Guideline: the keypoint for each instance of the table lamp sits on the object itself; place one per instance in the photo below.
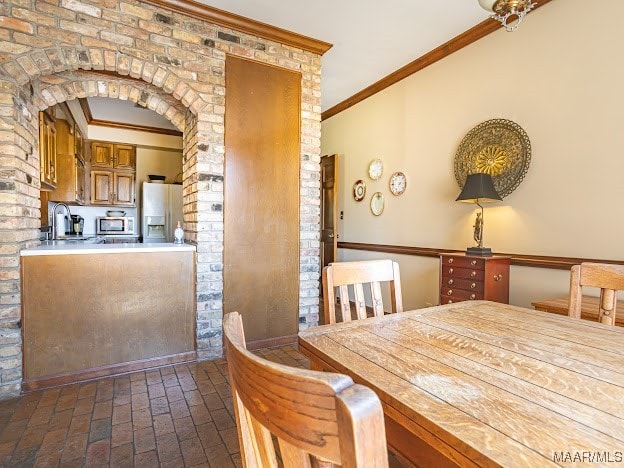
(479, 188)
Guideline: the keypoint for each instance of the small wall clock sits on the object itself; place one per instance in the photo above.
(375, 169)
(359, 190)
(398, 183)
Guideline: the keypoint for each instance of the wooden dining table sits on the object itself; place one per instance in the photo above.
(479, 383)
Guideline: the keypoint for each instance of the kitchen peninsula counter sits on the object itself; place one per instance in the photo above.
(79, 248)
(91, 310)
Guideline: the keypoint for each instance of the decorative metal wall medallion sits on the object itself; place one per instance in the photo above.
(498, 147)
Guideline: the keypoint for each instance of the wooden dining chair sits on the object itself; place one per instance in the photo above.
(609, 278)
(318, 418)
(343, 274)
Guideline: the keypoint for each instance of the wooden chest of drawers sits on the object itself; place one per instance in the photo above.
(465, 278)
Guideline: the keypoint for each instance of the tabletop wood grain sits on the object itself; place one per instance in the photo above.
(486, 384)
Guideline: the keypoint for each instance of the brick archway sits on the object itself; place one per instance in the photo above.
(175, 64)
(51, 90)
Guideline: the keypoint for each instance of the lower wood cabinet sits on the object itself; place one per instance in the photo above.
(465, 278)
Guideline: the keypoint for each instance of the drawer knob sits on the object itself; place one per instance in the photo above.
(450, 281)
(449, 292)
(450, 271)
(473, 285)
(473, 262)
(474, 273)
(498, 277)
(450, 260)
(472, 296)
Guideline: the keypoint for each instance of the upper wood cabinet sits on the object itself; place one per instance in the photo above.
(113, 174)
(70, 172)
(124, 157)
(112, 188)
(101, 154)
(47, 151)
(112, 155)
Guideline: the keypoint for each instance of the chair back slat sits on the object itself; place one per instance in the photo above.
(294, 456)
(345, 307)
(609, 278)
(360, 303)
(321, 414)
(342, 274)
(377, 299)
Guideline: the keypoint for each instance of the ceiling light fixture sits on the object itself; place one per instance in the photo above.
(507, 11)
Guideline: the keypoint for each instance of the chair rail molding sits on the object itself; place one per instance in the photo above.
(537, 261)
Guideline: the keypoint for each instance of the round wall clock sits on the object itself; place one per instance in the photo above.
(398, 183)
(377, 203)
(359, 190)
(375, 169)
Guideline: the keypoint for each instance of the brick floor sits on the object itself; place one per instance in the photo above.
(174, 416)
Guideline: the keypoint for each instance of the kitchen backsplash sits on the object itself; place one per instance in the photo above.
(89, 213)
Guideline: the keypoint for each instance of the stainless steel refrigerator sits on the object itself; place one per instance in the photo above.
(162, 209)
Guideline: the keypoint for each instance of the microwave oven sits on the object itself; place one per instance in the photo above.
(114, 225)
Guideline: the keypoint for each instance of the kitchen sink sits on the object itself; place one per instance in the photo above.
(75, 240)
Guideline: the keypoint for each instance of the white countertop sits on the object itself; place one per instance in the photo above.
(80, 248)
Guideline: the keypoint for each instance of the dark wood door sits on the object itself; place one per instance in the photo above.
(329, 200)
(261, 205)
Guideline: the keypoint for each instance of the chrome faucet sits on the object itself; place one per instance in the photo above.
(54, 233)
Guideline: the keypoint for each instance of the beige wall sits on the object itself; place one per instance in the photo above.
(559, 76)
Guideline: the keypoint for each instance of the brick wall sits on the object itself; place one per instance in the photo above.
(172, 64)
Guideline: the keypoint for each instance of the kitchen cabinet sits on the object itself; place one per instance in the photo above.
(113, 155)
(70, 187)
(113, 174)
(112, 188)
(47, 151)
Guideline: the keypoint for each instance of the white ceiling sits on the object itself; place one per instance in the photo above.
(117, 110)
(370, 40)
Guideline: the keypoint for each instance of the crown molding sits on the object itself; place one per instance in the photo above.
(86, 110)
(458, 42)
(240, 23)
(134, 127)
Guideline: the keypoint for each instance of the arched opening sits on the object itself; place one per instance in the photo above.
(187, 86)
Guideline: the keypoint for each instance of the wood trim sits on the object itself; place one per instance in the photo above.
(106, 371)
(537, 261)
(135, 127)
(458, 42)
(243, 24)
(272, 342)
(86, 110)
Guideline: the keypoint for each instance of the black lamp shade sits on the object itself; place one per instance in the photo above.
(478, 188)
